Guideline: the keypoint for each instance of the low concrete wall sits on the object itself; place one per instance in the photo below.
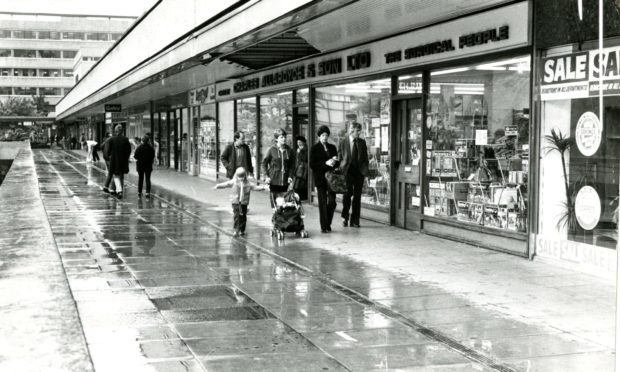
(9, 150)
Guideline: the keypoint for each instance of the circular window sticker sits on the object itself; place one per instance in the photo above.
(429, 122)
(588, 133)
(587, 208)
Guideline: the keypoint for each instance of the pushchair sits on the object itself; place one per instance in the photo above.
(288, 215)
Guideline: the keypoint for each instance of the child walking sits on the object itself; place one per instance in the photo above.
(240, 197)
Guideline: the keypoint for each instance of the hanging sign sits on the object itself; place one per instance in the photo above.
(587, 208)
(202, 95)
(112, 107)
(588, 133)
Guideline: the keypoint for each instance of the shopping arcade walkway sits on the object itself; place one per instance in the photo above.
(401, 300)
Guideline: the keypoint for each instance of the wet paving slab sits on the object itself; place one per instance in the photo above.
(161, 280)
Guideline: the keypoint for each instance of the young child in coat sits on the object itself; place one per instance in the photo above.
(240, 197)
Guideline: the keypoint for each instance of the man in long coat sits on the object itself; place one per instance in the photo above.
(118, 149)
(353, 156)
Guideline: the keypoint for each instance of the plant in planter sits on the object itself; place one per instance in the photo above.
(556, 141)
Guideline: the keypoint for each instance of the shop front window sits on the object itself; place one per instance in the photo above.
(276, 111)
(579, 182)
(206, 141)
(367, 103)
(478, 125)
(246, 122)
(226, 130)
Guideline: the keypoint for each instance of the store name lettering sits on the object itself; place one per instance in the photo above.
(245, 85)
(329, 67)
(286, 76)
(442, 46)
(358, 61)
(323, 68)
(428, 49)
(565, 68)
(483, 37)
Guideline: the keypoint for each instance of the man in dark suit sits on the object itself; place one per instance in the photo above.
(353, 156)
(118, 149)
(237, 155)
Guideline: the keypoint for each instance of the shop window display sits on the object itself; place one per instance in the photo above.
(246, 122)
(580, 182)
(367, 103)
(206, 141)
(478, 125)
(276, 111)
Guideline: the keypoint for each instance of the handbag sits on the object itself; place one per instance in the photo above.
(301, 171)
(336, 182)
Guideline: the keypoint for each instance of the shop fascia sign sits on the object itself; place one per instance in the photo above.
(202, 95)
(331, 66)
(499, 29)
(578, 75)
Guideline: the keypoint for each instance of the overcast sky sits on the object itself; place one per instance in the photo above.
(90, 7)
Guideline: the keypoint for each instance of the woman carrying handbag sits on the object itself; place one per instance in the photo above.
(324, 158)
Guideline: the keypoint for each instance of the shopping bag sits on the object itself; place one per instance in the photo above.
(336, 182)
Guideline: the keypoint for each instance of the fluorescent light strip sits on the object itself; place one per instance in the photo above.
(363, 90)
(490, 68)
(454, 70)
(468, 93)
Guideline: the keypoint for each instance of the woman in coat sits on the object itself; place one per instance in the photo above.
(278, 165)
(323, 158)
(300, 183)
(144, 155)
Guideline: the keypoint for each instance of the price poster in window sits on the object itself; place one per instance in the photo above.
(443, 164)
(385, 138)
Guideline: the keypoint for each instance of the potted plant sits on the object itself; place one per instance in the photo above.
(556, 141)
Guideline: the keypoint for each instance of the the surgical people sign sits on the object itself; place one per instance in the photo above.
(578, 75)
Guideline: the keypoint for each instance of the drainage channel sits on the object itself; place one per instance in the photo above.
(443, 339)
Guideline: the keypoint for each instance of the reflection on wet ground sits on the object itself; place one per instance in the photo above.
(160, 287)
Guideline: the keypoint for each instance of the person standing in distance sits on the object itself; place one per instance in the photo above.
(300, 179)
(353, 156)
(108, 180)
(323, 158)
(144, 155)
(118, 150)
(237, 155)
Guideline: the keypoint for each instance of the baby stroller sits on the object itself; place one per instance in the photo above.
(288, 215)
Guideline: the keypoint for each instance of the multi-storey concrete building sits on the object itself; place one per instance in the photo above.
(40, 53)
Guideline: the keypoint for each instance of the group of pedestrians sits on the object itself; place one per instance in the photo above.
(286, 169)
(116, 153)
